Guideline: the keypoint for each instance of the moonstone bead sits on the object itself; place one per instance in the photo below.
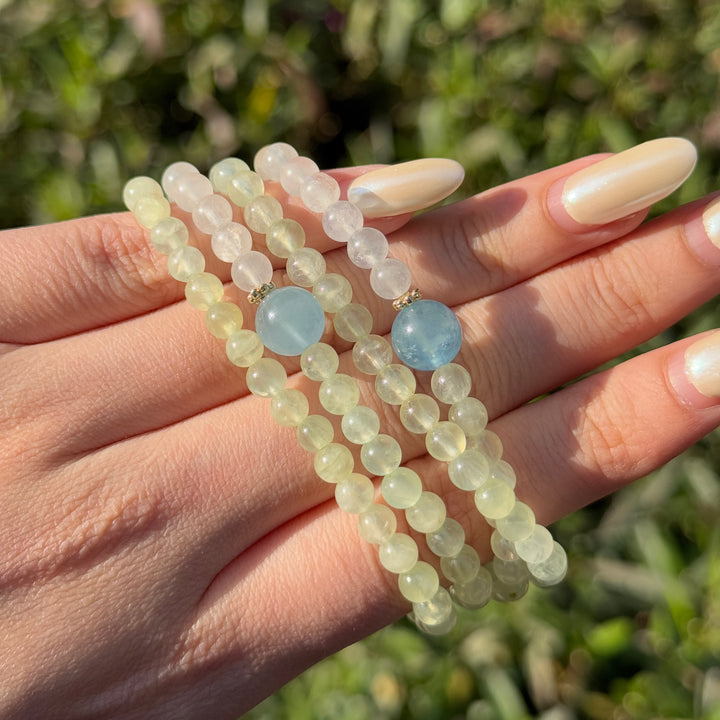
(169, 234)
(222, 172)
(190, 189)
(173, 173)
(372, 353)
(295, 172)
(447, 540)
(475, 593)
(333, 463)
(381, 455)
(289, 320)
(390, 278)
(319, 191)
(451, 383)
(461, 567)
(319, 361)
(261, 212)
(469, 470)
(445, 441)
(284, 236)
(551, 570)
(203, 290)
(150, 210)
(420, 583)
(139, 187)
(398, 553)
(360, 425)
(289, 407)
(333, 291)
(427, 514)
(270, 160)
(401, 488)
(426, 335)
(339, 394)
(314, 433)
(211, 213)
(394, 384)
(537, 546)
(353, 322)
(470, 414)
(266, 377)
(367, 247)
(355, 494)
(488, 443)
(341, 219)
(230, 241)
(251, 270)
(223, 319)
(185, 262)
(435, 611)
(305, 266)
(419, 413)
(377, 524)
(243, 348)
(494, 499)
(245, 186)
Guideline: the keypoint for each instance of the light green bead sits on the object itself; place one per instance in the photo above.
(332, 291)
(509, 592)
(494, 499)
(439, 628)
(203, 290)
(552, 570)
(261, 212)
(319, 362)
(510, 572)
(353, 322)
(377, 524)
(419, 413)
(339, 394)
(222, 172)
(305, 266)
(451, 383)
(517, 524)
(394, 384)
(285, 236)
(314, 433)
(243, 348)
(381, 455)
(502, 548)
(488, 443)
(185, 262)
(447, 540)
(420, 583)
(244, 186)
(470, 414)
(355, 494)
(266, 377)
(169, 234)
(401, 488)
(476, 593)
(398, 553)
(469, 470)
(360, 425)
(289, 407)
(334, 463)
(462, 567)
(503, 471)
(445, 441)
(372, 353)
(150, 210)
(536, 547)
(435, 611)
(140, 187)
(223, 319)
(427, 514)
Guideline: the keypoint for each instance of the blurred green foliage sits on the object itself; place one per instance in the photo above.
(93, 92)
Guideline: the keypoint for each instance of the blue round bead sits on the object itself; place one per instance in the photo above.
(289, 320)
(426, 335)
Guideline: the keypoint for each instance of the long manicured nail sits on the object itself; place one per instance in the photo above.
(406, 187)
(696, 374)
(628, 182)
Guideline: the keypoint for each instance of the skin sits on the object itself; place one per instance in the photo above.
(168, 551)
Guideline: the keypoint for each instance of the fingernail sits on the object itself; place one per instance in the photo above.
(406, 187)
(696, 373)
(627, 182)
(703, 234)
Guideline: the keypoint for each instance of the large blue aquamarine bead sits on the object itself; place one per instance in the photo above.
(426, 335)
(289, 320)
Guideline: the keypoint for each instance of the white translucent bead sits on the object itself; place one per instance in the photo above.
(212, 213)
(509, 592)
(501, 547)
(355, 494)
(488, 443)
(295, 172)
(243, 348)
(251, 270)
(284, 236)
(169, 234)
(360, 425)
(503, 471)
(222, 172)
(332, 291)
(494, 499)
(367, 247)
(469, 470)
(266, 377)
(445, 441)
(319, 361)
(552, 570)
(305, 266)
(537, 546)
(439, 628)
(223, 319)
(420, 583)
(230, 241)
(333, 462)
(461, 567)
(419, 413)
(475, 593)
(451, 383)
(270, 160)
(470, 414)
(398, 553)
(390, 278)
(190, 189)
(244, 186)
(341, 220)
(427, 514)
(184, 262)
(139, 187)
(289, 407)
(395, 383)
(339, 394)
(319, 191)
(381, 455)
(352, 322)
(447, 540)
(172, 174)
(377, 524)
(435, 611)
(510, 572)
(203, 290)
(314, 433)
(261, 212)
(372, 353)
(401, 488)
(150, 210)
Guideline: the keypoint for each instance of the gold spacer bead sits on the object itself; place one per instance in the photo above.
(407, 299)
(257, 295)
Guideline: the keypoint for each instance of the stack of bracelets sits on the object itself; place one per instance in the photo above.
(290, 321)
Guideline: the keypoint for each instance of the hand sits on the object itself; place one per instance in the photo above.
(168, 550)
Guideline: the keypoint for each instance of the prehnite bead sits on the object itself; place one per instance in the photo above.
(185, 262)
(305, 266)
(203, 290)
(173, 173)
(333, 463)
(289, 407)
(295, 172)
(445, 441)
(284, 236)
(426, 334)
(211, 213)
(419, 413)
(470, 414)
(223, 319)
(476, 593)
(398, 553)
(243, 348)
(394, 384)
(511, 572)
(270, 160)
(244, 186)
(261, 212)
(381, 455)
(440, 628)
(251, 270)
(451, 383)
(447, 540)
(230, 241)
(333, 291)
(401, 488)
(435, 611)
(551, 570)
(427, 514)
(139, 187)
(494, 499)
(536, 547)
(377, 524)
(420, 583)
(372, 353)
(462, 567)
(341, 219)
(190, 189)
(222, 172)
(353, 322)
(501, 547)
(339, 394)
(469, 470)
(169, 234)
(390, 278)
(319, 361)
(289, 320)
(150, 210)
(502, 470)
(319, 191)
(266, 377)
(367, 247)
(355, 494)
(360, 425)
(488, 443)
(314, 433)
(509, 592)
